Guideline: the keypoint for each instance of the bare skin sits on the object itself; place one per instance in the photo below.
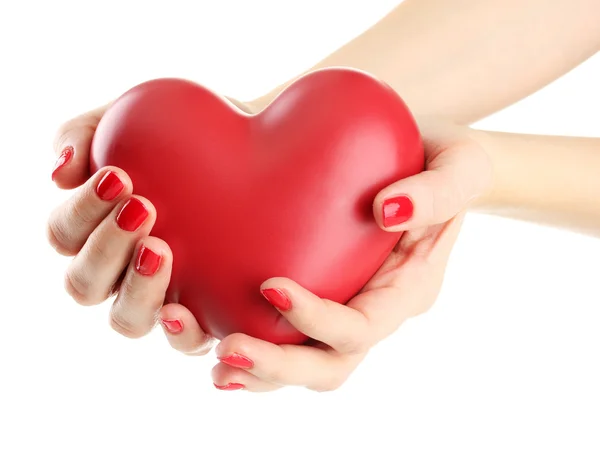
(448, 45)
(466, 59)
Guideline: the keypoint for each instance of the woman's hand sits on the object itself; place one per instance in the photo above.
(106, 227)
(430, 208)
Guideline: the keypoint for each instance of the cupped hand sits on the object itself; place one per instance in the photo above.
(429, 208)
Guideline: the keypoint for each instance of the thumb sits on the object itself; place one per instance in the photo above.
(453, 179)
(72, 149)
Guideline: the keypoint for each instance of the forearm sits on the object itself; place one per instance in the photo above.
(544, 179)
(466, 59)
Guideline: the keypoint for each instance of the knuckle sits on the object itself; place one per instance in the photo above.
(97, 251)
(59, 239)
(130, 316)
(125, 327)
(78, 288)
(81, 213)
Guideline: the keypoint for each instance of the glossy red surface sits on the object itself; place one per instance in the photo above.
(237, 360)
(278, 299)
(397, 210)
(64, 158)
(173, 326)
(109, 186)
(132, 215)
(147, 262)
(242, 198)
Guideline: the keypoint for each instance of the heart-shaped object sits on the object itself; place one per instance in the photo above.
(241, 198)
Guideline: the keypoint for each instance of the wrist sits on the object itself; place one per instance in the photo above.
(517, 182)
(498, 190)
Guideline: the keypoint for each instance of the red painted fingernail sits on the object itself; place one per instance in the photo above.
(237, 360)
(64, 158)
(147, 261)
(397, 210)
(132, 215)
(277, 298)
(109, 186)
(229, 386)
(172, 326)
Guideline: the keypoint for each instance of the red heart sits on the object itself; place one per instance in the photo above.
(242, 198)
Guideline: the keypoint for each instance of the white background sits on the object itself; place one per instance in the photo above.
(506, 360)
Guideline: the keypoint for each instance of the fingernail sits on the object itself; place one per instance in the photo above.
(132, 215)
(64, 158)
(237, 360)
(109, 186)
(172, 326)
(147, 261)
(229, 386)
(397, 210)
(277, 298)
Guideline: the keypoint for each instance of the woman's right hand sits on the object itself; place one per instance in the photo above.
(106, 227)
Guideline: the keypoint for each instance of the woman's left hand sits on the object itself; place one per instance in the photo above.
(430, 208)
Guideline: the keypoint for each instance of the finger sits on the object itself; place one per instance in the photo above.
(142, 291)
(71, 224)
(72, 147)
(183, 332)
(285, 365)
(107, 252)
(228, 378)
(342, 328)
(454, 178)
